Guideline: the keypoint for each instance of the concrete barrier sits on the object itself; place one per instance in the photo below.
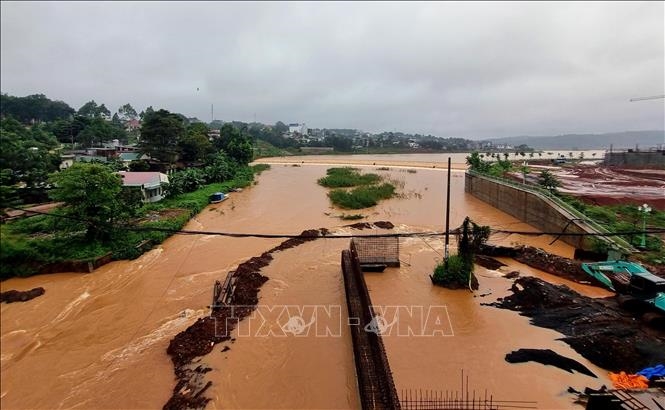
(536, 210)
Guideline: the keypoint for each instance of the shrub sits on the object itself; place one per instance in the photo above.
(361, 197)
(346, 178)
(456, 275)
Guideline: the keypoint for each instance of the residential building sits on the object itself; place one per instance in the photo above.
(298, 129)
(127, 157)
(151, 184)
(132, 125)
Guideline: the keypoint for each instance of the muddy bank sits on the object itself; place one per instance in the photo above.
(537, 258)
(12, 296)
(598, 329)
(199, 339)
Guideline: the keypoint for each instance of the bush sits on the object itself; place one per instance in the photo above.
(17, 256)
(33, 224)
(346, 178)
(455, 276)
(361, 197)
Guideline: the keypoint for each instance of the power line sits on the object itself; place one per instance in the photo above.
(343, 236)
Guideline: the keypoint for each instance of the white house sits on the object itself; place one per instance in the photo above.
(298, 128)
(150, 183)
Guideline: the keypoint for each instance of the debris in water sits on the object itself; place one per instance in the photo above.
(549, 358)
(12, 296)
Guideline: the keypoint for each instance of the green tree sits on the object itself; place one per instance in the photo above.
(89, 109)
(127, 112)
(139, 166)
(160, 133)
(37, 108)
(476, 163)
(342, 144)
(92, 197)
(185, 181)
(195, 145)
(147, 111)
(525, 170)
(99, 131)
(280, 127)
(548, 181)
(115, 120)
(28, 155)
(235, 143)
(103, 112)
(220, 168)
(8, 196)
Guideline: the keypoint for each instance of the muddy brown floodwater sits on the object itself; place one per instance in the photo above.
(99, 340)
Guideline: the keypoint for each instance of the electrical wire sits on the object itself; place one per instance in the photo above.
(346, 236)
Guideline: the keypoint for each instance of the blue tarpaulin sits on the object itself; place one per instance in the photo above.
(651, 372)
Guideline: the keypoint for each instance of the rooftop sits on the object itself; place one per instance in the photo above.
(143, 178)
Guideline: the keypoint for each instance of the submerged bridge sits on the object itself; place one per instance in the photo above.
(375, 381)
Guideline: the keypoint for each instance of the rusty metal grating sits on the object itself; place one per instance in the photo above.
(372, 251)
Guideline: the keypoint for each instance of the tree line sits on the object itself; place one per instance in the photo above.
(34, 130)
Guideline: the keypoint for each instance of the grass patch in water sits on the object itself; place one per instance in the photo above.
(361, 197)
(347, 177)
(351, 217)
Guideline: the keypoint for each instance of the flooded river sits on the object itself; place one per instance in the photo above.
(99, 340)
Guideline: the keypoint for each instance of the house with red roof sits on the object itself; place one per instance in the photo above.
(151, 184)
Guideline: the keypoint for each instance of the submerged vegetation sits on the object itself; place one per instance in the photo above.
(347, 177)
(361, 197)
(457, 271)
(367, 192)
(351, 217)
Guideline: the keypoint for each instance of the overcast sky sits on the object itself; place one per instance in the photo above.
(473, 70)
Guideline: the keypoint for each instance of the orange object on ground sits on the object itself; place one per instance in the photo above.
(622, 380)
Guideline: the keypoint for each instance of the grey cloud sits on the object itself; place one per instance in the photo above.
(450, 69)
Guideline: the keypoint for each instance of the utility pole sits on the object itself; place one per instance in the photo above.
(644, 209)
(446, 251)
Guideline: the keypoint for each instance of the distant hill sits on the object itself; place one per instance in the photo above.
(626, 139)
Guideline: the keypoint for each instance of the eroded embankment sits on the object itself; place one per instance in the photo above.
(598, 329)
(199, 339)
(537, 258)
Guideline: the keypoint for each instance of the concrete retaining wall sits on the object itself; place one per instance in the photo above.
(527, 207)
(636, 159)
